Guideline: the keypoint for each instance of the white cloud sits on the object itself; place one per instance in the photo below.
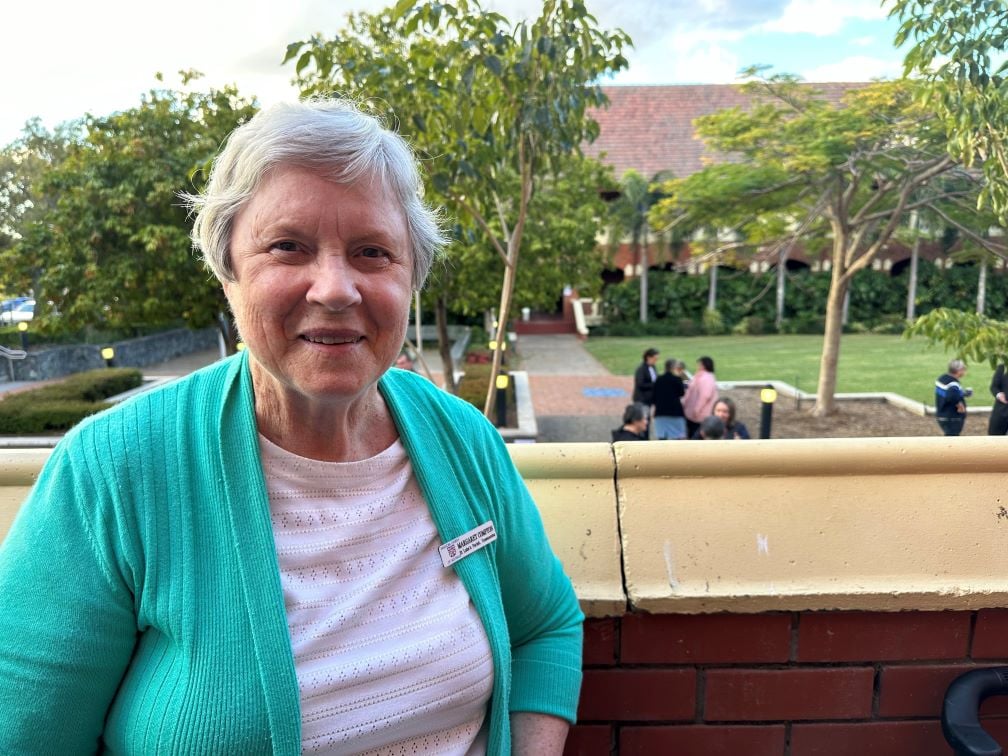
(863, 42)
(100, 57)
(855, 68)
(823, 17)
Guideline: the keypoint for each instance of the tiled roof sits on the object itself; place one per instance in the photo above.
(650, 128)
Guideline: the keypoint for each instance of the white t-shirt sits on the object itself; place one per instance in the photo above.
(390, 654)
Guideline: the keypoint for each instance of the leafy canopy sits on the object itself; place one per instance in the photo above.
(109, 244)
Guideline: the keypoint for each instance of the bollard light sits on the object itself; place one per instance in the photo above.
(23, 333)
(767, 397)
(502, 384)
(108, 354)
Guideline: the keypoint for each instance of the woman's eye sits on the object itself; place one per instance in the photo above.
(373, 252)
(286, 246)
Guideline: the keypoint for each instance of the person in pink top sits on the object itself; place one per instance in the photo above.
(701, 394)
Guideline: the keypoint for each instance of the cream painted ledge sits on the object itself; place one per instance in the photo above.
(882, 524)
(878, 524)
(572, 484)
(573, 487)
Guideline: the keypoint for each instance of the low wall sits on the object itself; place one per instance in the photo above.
(767, 597)
(59, 361)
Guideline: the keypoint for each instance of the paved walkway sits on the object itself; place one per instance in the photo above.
(575, 398)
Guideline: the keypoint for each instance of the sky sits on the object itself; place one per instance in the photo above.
(63, 58)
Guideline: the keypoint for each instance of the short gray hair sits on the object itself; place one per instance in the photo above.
(956, 365)
(332, 137)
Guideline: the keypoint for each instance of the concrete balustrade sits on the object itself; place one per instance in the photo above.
(574, 488)
(878, 524)
(742, 597)
(874, 524)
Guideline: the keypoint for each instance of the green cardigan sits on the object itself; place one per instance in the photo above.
(141, 603)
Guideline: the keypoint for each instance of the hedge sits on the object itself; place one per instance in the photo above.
(57, 407)
(746, 302)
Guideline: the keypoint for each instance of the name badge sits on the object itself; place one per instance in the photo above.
(467, 543)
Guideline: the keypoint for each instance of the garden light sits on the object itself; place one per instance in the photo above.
(502, 384)
(108, 354)
(767, 397)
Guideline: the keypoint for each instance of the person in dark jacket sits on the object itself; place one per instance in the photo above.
(669, 420)
(635, 423)
(950, 399)
(998, 424)
(645, 377)
(643, 384)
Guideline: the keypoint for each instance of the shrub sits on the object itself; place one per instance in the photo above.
(753, 325)
(59, 406)
(713, 323)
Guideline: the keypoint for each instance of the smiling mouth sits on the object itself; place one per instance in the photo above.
(330, 340)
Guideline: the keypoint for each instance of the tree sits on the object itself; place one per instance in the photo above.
(958, 50)
(485, 100)
(973, 337)
(628, 217)
(809, 169)
(112, 248)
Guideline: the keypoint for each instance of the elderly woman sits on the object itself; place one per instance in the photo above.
(299, 549)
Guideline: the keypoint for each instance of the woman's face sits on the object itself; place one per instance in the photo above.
(721, 410)
(323, 285)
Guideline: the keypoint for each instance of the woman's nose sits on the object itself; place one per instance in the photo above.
(334, 283)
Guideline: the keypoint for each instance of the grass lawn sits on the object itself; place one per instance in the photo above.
(868, 362)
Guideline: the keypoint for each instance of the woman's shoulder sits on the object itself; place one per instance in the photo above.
(415, 399)
(155, 413)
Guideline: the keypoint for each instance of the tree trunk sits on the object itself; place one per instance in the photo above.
(643, 262)
(826, 391)
(507, 289)
(781, 284)
(712, 289)
(911, 307)
(444, 345)
(981, 302)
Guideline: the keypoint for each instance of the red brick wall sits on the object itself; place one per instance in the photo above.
(781, 684)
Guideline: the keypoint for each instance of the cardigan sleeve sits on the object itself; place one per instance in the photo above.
(543, 616)
(67, 629)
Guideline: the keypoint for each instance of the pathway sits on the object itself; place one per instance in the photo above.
(575, 398)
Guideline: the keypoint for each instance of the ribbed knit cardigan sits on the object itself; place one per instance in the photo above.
(140, 601)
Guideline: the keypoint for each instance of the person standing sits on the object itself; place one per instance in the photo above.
(998, 423)
(950, 399)
(669, 388)
(701, 393)
(644, 381)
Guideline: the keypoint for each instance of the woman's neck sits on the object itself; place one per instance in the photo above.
(331, 430)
